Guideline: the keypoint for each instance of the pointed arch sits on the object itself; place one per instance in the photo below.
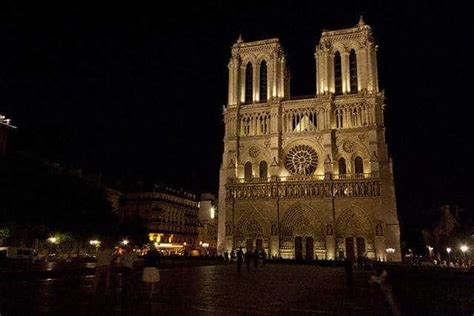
(301, 220)
(353, 71)
(358, 165)
(354, 223)
(248, 171)
(337, 73)
(342, 166)
(263, 81)
(249, 83)
(263, 169)
(251, 224)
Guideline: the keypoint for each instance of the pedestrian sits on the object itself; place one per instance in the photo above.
(248, 259)
(264, 256)
(240, 259)
(127, 259)
(232, 255)
(151, 274)
(226, 256)
(255, 259)
(348, 269)
(105, 257)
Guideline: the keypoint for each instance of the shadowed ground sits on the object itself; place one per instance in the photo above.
(215, 289)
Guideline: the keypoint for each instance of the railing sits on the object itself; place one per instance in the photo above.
(319, 177)
(326, 188)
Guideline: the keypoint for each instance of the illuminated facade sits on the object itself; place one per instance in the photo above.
(307, 177)
(171, 216)
(208, 217)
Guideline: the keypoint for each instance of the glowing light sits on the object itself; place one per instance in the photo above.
(464, 248)
(53, 240)
(390, 250)
(430, 249)
(213, 212)
(200, 243)
(125, 242)
(168, 245)
(94, 242)
(155, 237)
(448, 250)
(205, 244)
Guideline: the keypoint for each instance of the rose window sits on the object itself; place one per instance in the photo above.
(301, 160)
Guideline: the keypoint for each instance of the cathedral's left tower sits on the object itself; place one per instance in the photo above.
(257, 76)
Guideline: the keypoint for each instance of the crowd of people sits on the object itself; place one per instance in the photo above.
(126, 256)
(249, 257)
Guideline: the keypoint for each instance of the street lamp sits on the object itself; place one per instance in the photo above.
(390, 251)
(125, 242)
(430, 250)
(53, 240)
(464, 248)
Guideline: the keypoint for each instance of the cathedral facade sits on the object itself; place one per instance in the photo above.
(308, 177)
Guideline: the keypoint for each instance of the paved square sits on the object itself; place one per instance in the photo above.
(206, 290)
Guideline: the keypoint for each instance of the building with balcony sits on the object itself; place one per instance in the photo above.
(307, 177)
(170, 216)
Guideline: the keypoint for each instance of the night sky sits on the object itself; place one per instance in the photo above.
(137, 90)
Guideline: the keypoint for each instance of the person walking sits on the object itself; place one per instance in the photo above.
(151, 274)
(240, 259)
(226, 256)
(127, 259)
(255, 259)
(264, 257)
(248, 259)
(105, 257)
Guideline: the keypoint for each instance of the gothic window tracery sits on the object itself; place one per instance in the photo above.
(263, 169)
(301, 160)
(248, 171)
(337, 73)
(263, 81)
(342, 166)
(249, 83)
(359, 165)
(353, 71)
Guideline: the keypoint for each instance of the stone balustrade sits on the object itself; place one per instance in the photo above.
(270, 188)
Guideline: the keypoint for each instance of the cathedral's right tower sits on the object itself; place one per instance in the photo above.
(308, 177)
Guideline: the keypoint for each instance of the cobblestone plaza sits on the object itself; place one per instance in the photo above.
(204, 290)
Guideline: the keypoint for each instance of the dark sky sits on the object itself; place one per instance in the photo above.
(134, 89)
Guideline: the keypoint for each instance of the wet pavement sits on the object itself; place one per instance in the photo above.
(218, 289)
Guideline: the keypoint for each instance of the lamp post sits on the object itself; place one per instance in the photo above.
(448, 250)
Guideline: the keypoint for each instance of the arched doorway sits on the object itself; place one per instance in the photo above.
(301, 231)
(354, 232)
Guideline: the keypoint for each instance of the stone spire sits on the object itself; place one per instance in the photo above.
(361, 21)
(240, 40)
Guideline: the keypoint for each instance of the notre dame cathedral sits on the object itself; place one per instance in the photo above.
(308, 177)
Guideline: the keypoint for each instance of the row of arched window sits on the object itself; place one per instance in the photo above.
(352, 72)
(262, 170)
(358, 165)
(249, 82)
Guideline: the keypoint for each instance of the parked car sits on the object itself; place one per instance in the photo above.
(19, 253)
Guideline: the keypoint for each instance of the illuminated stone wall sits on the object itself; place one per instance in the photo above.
(308, 177)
